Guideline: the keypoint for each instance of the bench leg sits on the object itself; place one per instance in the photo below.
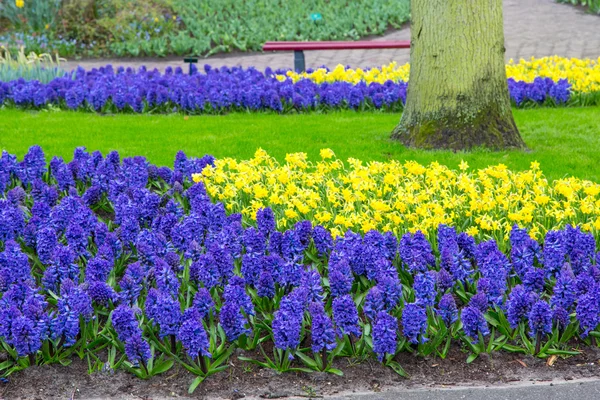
(299, 64)
(189, 63)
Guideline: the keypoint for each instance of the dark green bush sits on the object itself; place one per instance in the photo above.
(593, 5)
(200, 27)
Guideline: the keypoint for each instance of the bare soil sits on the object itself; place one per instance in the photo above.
(242, 379)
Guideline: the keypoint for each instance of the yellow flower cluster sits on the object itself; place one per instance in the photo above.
(392, 72)
(584, 75)
(20, 3)
(400, 197)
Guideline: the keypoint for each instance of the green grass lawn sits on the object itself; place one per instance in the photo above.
(565, 141)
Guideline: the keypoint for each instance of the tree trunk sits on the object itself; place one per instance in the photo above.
(457, 93)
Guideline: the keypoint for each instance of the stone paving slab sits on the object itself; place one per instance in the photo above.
(584, 390)
(572, 390)
(531, 27)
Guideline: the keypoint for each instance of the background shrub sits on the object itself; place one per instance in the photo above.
(225, 25)
(594, 5)
(32, 66)
(181, 27)
(35, 15)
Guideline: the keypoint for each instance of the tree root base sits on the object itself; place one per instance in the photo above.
(488, 130)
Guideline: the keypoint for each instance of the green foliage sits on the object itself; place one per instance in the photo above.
(34, 43)
(593, 5)
(182, 27)
(41, 67)
(138, 28)
(34, 15)
(78, 20)
(226, 25)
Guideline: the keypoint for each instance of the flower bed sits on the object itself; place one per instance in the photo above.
(132, 266)
(582, 74)
(215, 91)
(236, 89)
(392, 196)
(562, 80)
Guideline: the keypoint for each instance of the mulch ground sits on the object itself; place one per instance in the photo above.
(242, 379)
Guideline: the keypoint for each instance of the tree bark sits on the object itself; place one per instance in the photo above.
(457, 94)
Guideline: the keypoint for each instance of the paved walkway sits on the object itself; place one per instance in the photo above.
(532, 28)
(544, 391)
(573, 390)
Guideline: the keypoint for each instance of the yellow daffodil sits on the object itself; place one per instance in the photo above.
(582, 74)
(197, 177)
(401, 197)
(326, 154)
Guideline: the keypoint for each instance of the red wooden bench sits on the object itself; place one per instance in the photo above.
(299, 47)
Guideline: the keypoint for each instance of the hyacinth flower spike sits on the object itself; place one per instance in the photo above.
(385, 341)
(442, 327)
(475, 329)
(414, 323)
(323, 341)
(206, 353)
(139, 352)
(347, 322)
(287, 328)
(540, 323)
